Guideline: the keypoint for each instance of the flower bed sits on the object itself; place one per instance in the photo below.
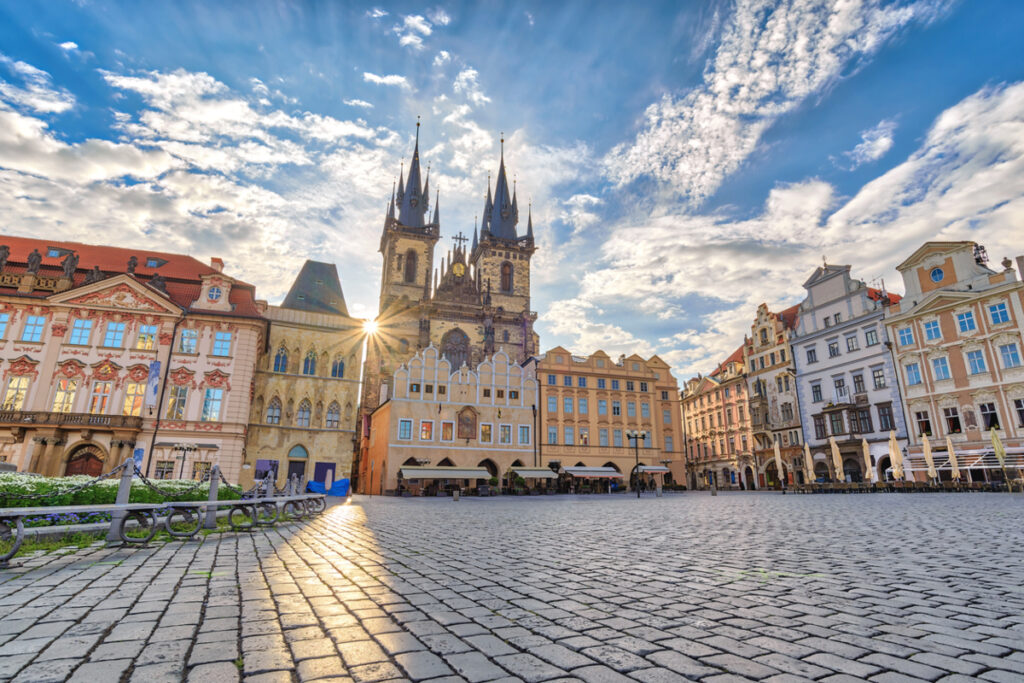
(101, 493)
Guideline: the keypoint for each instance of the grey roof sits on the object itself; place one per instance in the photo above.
(412, 200)
(505, 209)
(317, 289)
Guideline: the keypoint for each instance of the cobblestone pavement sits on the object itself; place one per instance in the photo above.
(601, 589)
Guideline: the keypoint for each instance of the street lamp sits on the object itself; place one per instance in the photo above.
(636, 435)
(183, 449)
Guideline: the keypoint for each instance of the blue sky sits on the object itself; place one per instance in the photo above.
(686, 161)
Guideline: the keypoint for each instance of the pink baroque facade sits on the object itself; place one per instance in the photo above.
(108, 353)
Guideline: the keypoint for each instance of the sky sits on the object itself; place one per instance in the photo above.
(685, 161)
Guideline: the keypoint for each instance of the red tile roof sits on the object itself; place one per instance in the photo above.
(181, 272)
(735, 357)
(879, 295)
(790, 317)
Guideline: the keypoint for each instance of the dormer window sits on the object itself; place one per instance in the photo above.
(53, 252)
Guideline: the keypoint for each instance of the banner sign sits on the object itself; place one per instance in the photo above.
(153, 384)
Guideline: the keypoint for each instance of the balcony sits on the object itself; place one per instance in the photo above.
(22, 418)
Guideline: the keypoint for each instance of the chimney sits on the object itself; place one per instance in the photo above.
(217, 264)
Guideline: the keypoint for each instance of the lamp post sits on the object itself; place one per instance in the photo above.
(636, 435)
(183, 449)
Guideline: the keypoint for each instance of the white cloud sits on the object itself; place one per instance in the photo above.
(439, 17)
(466, 84)
(875, 143)
(411, 31)
(69, 45)
(442, 58)
(772, 56)
(38, 92)
(390, 79)
(529, 18)
(376, 13)
(568, 318)
(359, 103)
(578, 212)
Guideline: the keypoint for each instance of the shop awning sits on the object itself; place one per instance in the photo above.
(968, 459)
(535, 473)
(593, 472)
(654, 469)
(408, 472)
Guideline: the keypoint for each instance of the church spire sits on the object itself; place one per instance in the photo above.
(485, 219)
(529, 223)
(437, 209)
(475, 241)
(502, 219)
(391, 204)
(413, 206)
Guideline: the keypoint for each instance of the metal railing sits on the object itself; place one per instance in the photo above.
(35, 417)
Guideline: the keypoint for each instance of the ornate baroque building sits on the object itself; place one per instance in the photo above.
(109, 352)
(475, 301)
(307, 383)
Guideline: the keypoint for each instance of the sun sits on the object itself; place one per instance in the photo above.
(370, 327)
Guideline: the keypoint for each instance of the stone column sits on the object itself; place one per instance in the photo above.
(35, 462)
(114, 456)
(51, 459)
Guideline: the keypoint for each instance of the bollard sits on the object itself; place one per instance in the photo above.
(657, 492)
(714, 488)
(211, 507)
(124, 490)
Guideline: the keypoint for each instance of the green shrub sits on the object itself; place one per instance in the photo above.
(101, 493)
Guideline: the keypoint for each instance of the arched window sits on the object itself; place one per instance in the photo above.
(309, 364)
(338, 367)
(274, 412)
(506, 277)
(410, 266)
(333, 416)
(764, 336)
(281, 360)
(455, 347)
(504, 336)
(302, 416)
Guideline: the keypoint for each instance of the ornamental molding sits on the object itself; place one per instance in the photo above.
(71, 368)
(182, 376)
(106, 370)
(58, 330)
(121, 296)
(23, 367)
(217, 380)
(933, 261)
(138, 373)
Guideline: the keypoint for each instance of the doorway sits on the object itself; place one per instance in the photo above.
(321, 471)
(87, 460)
(297, 467)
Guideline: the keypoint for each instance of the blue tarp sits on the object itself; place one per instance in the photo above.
(338, 488)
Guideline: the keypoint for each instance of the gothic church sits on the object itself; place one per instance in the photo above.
(468, 306)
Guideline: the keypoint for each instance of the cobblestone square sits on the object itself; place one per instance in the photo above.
(742, 586)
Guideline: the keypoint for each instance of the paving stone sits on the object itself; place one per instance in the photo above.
(529, 668)
(222, 672)
(108, 670)
(681, 664)
(475, 667)
(322, 667)
(52, 670)
(616, 658)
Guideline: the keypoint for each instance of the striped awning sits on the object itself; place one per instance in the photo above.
(535, 473)
(439, 472)
(593, 472)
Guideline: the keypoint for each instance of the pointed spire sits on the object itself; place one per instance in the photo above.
(426, 189)
(515, 202)
(391, 204)
(413, 205)
(502, 220)
(529, 222)
(401, 181)
(475, 240)
(488, 206)
(437, 209)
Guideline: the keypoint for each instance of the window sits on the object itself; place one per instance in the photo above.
(602, 436)
(669, 445)
(552, 404)
(833, 349)
(80, 331)
(189, 340)
(405, 430)
(787, 412)
(100, 397)
(666, 417)
(443, 389)
(616, 408)
(630, 385)
(505, 434)
(211, 404)
(429, 389)
(828, 322)
(871, 337)
(601, 383)
(33, 331)
(913, 373)
(630, 409)
(567, 380)
(812, 355)
(858, 384)
(837, 318)
(64, 399)
(334, 416)
(582, 381)
(512, 393)
(164, 469)
(176, 403)
(568, 435)
(906, 336)
(506, 277)
(410, 266)
(552, 379)
(885, 421)
(878, 378)
(851, 344)
(932, 331)
(485, 433)
(864, 420)
(114, 336)
(426, 430)
(924, 423)
(976, 361)
(997, 313)
(617, 438)
(134, 394)
(1018, 405)
(222, 345)
(281, 360)
(147, 337)
(4, 319)
(836, 423)
(274, 412)
(1010, 355)
(643, 386)
(819, 427)
(727, 392)
(952, 417)
(615, 385)
(553, 435)
(816, 393)
(583, 406)
(567, 405)
(940, 366)
(524, 435)
(602, 407)
(200, 470)
(415, 389)
(966, 321)
(989, 416)
(338, 368)
(302, 415)
(645, 410)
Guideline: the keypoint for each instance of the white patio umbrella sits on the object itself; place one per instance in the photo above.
(926, 447)
(952, 459)
(778, 465)
(808, 465)
(869, 469)
(837, 459)
(895, 456)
